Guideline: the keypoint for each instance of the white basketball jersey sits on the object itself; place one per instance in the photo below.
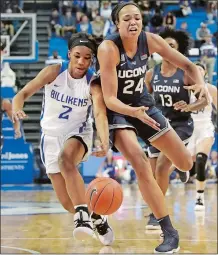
(204, 115)
(66, 104)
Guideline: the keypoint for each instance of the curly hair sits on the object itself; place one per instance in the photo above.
(84, 36)
(181, 37)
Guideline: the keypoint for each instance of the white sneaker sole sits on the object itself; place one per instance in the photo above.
(173, 251)
(200, 208)
(151, 227)
(83, 233)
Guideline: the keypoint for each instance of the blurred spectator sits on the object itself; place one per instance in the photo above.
(68, 23)
(7, 28)
(169, 20)
(54, 23)
(185, 8)
(97, 27)
(109, 28)
(201, 34)
(156, 23)
(16, 9)
(108, 167)
(8, 76)
(156, 6)
(212, 164)
(92, 9)
(79, 4)
(184, 27)
(211, 11)
(54, 59)
(208, 56)
(146, 13)
(84, 25)
(105, 10)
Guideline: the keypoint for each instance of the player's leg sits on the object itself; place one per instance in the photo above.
(153, 154)
(59, 186)
(203, 150)
(126, 142)
(174, 149)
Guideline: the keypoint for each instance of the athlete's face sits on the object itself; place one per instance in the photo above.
(172, 43)
(201, 70)
(80, 60)
(130, 21)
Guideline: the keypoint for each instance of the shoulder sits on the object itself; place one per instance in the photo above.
(212, 89)
(107, 46)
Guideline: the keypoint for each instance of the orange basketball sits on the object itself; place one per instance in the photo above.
(104, 196)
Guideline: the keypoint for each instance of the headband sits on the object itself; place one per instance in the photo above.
(117, 9)
(83, 42)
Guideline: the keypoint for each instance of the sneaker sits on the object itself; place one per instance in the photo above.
(199, 205)
(83, 226)
(105, 232)
(184, 176)
(170, 243)
(152, 223)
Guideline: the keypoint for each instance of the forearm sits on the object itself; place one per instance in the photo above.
(197, 105)
(101, 123)
(114, 104)
(194, 73)
(18, 102)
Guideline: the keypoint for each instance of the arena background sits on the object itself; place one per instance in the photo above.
(35, 34)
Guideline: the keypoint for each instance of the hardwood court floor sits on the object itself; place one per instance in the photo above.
(32, 221)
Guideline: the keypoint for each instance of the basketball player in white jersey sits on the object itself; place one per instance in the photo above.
(67, 130)
(202, 139)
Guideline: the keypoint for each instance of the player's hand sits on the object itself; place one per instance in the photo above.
(139, 113)
(18, 115)
(201, 89)
(181, 106)
(101, 150)
(17, 134)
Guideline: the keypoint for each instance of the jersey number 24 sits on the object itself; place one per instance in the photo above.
(128, 89)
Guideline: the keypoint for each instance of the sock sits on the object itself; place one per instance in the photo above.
(166, 224)
(95, 216)
(200, 191)
(83, 207)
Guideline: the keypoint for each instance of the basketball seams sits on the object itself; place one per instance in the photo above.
(95, 183)
(111, 202)
(100, 194)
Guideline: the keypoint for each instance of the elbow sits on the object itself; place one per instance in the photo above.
(109, 103)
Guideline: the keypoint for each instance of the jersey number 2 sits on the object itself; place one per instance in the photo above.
(65, 114)
(130, 83)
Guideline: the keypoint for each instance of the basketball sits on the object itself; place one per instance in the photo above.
(104, 196)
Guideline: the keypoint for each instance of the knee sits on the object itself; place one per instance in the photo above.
(66, 162)
(137, 158)
(186, 163)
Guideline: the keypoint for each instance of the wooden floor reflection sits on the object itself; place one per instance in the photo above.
(33, 222)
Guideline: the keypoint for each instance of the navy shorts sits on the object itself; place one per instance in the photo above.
(184, 130)
(145, 132)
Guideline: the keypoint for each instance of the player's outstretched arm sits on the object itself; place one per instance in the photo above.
(45, 76)
(100, 116)
(160, 46)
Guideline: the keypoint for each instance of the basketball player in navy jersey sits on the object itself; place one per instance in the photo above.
(67, 133)
(122, 58)
(167, 82)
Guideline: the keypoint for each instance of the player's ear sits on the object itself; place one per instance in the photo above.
(69, 54)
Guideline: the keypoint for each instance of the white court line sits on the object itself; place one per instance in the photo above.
(118, 239)
(21, 249)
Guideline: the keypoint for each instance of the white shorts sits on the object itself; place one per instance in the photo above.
(50, 147)
(201, 131)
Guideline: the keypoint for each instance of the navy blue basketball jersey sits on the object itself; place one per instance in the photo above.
(169, 90)
(131, 73)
